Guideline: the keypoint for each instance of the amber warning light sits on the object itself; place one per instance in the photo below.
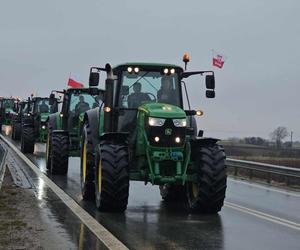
(186, 59)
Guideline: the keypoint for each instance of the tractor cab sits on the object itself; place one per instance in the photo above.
(41, 109)
(7, 110)
(141, 84)
(34, 122)
(21, 110)
(75, 102)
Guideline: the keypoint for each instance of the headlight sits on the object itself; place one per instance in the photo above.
(179, 122)
(43, 127)
(156, 122)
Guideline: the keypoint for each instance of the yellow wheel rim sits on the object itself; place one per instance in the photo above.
(195, 190)
(100, 176)
(84, 162)
(47, 147)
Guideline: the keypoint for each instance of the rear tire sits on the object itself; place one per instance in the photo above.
(16, 131)
(112, 177)
(87, 165)
(59, 153)
(13, 131)
(48, 150)
(27, 140)
(208, 194)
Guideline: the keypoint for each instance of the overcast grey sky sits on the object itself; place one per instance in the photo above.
(41, 42)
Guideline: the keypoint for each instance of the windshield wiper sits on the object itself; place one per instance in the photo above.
(139, 79)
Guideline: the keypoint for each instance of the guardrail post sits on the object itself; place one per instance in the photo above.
(235, 171)
(269, 178)
(287, 180)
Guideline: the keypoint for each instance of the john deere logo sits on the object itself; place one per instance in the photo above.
(168, 131)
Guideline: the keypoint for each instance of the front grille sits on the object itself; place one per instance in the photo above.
(167, 168)
(165, 139)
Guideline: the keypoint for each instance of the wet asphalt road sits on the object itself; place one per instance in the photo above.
(149, 223)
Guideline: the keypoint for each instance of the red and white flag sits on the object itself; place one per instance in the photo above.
(218, 60)
(74, 84)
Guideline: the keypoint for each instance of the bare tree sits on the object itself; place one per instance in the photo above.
(278, 135)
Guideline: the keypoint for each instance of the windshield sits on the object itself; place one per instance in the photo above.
(24, 107)
(149, 86)
(82, 102)
(8, 103)
(42, 106)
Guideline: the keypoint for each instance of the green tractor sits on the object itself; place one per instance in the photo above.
(6, 111)
(142, 132)
(65, 127)
(21, 110)
(34, 123)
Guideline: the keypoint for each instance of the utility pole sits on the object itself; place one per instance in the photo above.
(291, 139)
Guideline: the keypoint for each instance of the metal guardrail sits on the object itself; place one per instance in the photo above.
(269, 169)
(3, 153)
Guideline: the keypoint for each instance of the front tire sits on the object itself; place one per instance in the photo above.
(16, 131)
(87, 165)
(59, 153)
(112, 177)
(27, 140)
(208, 194)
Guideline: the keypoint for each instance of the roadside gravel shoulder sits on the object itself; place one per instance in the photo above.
(21, 223)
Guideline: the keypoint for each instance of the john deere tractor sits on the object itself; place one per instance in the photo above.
(142, 132)
(6, 111)
(34, 123)
(21, 110)
(65, 127)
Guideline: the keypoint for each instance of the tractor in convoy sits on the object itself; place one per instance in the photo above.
(6, 110)
(143, 132)
(21, 110)
(34, 123)
(65, 127)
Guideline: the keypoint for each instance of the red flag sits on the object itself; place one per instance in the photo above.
(218, 60)
(74, 84)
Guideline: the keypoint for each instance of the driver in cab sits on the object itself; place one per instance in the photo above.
(44, 107)
(136, 98)
(81, 106)
(166, 93)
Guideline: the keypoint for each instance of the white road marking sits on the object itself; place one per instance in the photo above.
(108, 239)
(264, 216)
(290, 193)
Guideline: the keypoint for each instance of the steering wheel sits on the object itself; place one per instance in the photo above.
(153, 99)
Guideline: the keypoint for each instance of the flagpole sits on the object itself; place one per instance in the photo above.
(69, 79)
(212, 58)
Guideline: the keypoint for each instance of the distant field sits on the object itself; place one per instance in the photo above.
(288, 162)
(284, 157)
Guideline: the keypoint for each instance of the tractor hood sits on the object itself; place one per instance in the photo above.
(162, 110)
(44, 116)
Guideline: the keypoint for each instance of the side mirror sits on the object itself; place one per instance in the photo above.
(210, 81)
(51, 99)
(200, 133)
(210, 94)
(94, 79)
(125, 90)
